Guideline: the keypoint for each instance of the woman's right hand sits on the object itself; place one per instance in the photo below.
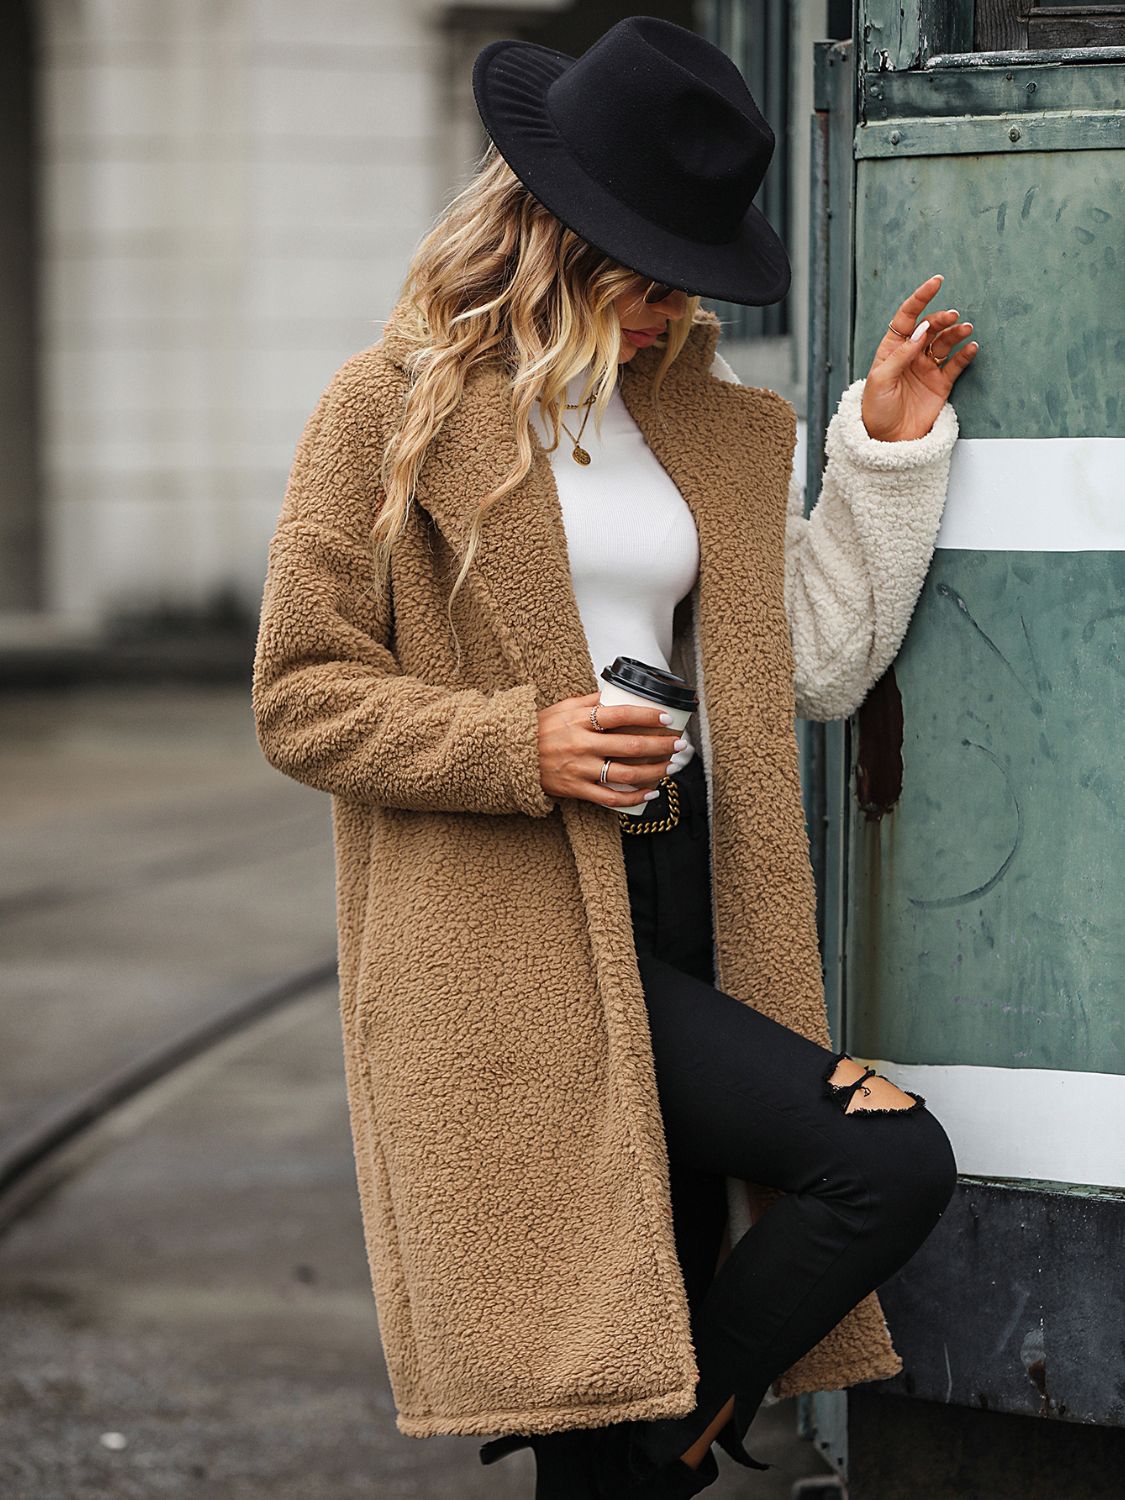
(571, 750)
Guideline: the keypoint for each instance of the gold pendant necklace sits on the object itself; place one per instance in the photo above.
(579, 454)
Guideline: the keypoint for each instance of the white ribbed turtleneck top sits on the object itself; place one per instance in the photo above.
(631, 538)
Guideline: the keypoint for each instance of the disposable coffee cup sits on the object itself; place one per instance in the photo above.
(631, 681)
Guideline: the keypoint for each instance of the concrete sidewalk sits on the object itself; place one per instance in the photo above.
(155, 871)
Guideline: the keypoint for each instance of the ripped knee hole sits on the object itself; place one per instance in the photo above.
(845, 1082)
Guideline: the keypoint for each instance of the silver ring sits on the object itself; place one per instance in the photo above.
(605, 768)
(594, 720)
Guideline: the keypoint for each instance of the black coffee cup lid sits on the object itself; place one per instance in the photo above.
(665, 688)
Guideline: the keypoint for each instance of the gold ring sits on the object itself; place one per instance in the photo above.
(594, 720)
(893, 329)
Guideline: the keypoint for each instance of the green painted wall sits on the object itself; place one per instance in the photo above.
(986, 922)
(1032, 248)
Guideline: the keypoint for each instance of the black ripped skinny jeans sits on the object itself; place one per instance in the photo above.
(742, 1095)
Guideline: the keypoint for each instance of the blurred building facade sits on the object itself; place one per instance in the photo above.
(211, 204)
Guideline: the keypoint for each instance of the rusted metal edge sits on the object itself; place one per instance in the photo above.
(1046, 55)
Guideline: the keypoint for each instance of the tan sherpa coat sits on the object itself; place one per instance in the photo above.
(508, 1139)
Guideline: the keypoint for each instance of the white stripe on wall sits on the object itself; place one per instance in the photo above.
(1036, 495)
(1023, 1122)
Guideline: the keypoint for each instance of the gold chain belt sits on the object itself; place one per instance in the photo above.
(637, 823)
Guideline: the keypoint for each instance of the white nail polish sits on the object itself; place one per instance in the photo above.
(648, 796)
(919, 331)
(666, 718)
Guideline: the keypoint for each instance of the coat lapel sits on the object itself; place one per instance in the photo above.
(521, 572)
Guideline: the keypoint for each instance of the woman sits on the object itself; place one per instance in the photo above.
(580, 1045)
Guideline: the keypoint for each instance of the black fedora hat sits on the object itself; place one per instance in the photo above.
(649, 146)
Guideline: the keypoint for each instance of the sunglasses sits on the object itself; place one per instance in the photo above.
(658, 292)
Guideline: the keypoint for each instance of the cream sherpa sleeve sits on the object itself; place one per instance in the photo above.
(855, 566)
(331, 704)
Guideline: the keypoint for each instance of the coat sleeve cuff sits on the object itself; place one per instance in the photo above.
(847, 437)
(519, 731)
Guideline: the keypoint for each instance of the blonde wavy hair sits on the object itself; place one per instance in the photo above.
(500, 277)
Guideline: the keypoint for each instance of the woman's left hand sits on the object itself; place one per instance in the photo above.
(907, 386)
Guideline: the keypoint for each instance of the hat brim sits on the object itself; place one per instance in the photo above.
(510, 80)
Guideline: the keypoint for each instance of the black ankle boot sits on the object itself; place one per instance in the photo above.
(563, 1462)
(602, 1463)
(625, 1472)
(675, 1480)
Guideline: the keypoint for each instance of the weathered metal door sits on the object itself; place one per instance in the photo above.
(972, 845)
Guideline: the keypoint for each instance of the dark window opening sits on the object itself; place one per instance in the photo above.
(756, 36)
(1028, 26)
